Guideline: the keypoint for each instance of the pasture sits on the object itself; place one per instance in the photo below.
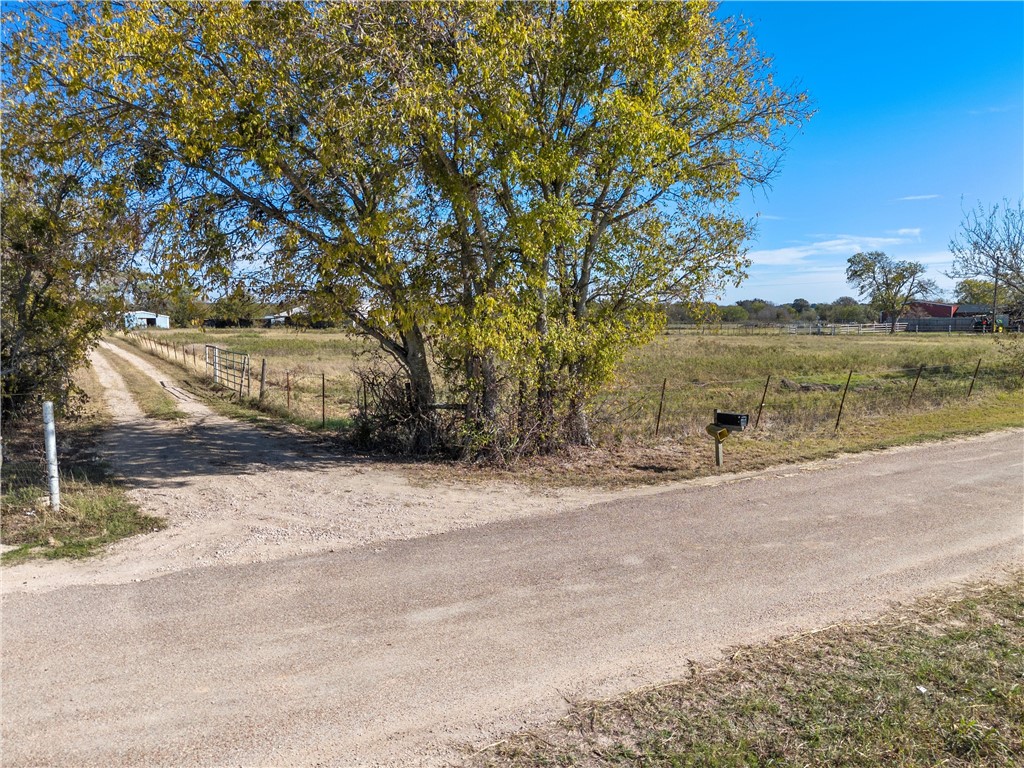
(801, 378)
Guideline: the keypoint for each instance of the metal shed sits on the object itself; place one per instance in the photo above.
(141, 319)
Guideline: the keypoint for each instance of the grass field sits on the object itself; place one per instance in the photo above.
(940, 683)
(901, 388)
(808, 376)
(302, 367)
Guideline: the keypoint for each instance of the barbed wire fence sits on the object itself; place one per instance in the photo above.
(784, 404)
(780, 404)
(299, 394)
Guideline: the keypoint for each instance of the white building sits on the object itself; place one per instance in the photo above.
(141, 319)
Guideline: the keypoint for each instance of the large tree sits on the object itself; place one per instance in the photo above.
(61, 255)
(990, 245)
(513, 188)
(972, 290)
(890, 285)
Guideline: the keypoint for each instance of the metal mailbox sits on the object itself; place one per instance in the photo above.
(734, 421)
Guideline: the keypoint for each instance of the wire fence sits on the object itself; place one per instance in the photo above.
(784, 404)
(300, 395)
(779, 404)
(781, 329)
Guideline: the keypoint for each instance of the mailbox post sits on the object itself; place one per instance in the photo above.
(725, 423)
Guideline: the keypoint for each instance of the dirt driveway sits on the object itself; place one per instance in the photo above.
(234, 493)
(306, 610)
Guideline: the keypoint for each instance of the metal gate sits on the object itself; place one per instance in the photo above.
(228, 369)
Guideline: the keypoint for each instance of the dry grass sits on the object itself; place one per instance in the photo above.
(939, 683)
(300, 363)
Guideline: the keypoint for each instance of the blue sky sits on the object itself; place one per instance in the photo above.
(920, 113)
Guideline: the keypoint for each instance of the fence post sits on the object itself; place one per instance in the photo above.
(216, 365)
(288, 388)
(241, 379)
(842, 402)
(914, 388)
(661, 404)
(263, 378)
(764, 395)
(323, 400)
(50, 438)
(974, 379)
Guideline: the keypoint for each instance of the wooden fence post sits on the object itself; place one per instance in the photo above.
(323, 400)
(974, 379)
(842, 402)
(288, 389)
(914, 388)
(661, 404)
(263, 379)
(763, 396)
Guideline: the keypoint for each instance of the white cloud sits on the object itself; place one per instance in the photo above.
(936, 261)
(919, 197)
(769, 217)
(988, 111)
(909, 232)
(835, 245)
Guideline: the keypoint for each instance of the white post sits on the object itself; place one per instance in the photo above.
(216, 365)
(50, 434)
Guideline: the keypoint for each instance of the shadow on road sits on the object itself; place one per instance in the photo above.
(160, 455)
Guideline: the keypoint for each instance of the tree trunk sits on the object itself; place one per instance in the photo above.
(578, 426)
(422, 390)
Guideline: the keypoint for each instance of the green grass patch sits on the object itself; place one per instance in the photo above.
(150, 396)
(807, 377)
(91, 516)
(95, 510)
(941, 683)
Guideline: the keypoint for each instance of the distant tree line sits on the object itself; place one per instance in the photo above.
(845, 309)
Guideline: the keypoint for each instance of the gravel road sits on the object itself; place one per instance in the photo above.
(414, 650)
